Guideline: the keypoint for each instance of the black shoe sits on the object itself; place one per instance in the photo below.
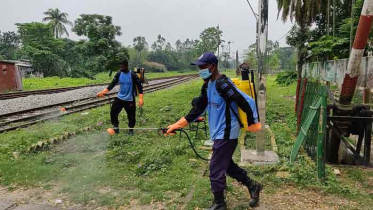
(130, 132)
(116, 129)
(219, 203)
(254, 191)
(215, 206)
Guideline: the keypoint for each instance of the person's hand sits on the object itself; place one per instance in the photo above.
(179, 124)
(141, 100)
(254, 127)
(102, 93)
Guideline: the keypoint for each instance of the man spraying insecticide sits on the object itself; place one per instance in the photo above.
(221, 98)
(130, 86)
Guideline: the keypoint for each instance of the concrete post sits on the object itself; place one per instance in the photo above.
(260, 137)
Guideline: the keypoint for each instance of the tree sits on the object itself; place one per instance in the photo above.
(168, 47)
(286, 56)
(304, 13)
(159, 44)
(179, 47)
(328, 47)
(297, 38)
(251, 58)
(272, 46)
(279, 58)
(9, 45)
(226, 64)
(210, 39)
(57, 20)
(274, 62)
(101, 48)
(140, 44)
(39, 44)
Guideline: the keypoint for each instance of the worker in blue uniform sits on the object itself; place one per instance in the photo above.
(221, 98)
(129, 86)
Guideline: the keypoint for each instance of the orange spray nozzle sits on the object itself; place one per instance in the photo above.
(111, 131)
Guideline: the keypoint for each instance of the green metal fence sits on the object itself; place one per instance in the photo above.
(311, 113)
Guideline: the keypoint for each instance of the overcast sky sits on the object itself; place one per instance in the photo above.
(173, 19)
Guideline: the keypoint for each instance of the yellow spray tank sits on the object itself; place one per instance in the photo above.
(248, 87)
(141, 74)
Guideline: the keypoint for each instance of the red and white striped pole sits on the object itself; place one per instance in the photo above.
(361, 38)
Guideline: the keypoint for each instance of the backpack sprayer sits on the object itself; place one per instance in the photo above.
(141, 74)
(163, 131)
(248, 87)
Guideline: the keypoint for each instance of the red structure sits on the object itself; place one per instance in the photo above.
(10, 77)
(361, 39)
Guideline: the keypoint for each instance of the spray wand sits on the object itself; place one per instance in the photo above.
(163, 131)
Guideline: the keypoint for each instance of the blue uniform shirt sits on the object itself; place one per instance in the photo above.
(125, 87)
(216, 111)
(223, 122)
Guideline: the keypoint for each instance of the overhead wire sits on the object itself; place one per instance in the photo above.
(255, 15)
(283, 36)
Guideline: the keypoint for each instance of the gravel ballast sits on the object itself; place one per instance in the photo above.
(36, 101)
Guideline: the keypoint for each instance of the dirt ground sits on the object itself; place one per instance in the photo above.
(285, 198)
(290, 197)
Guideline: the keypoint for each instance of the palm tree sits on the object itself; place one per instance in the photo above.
(140, 44)
(304, 12)
(57, 19)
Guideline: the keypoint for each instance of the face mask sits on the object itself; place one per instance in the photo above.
(205, 73)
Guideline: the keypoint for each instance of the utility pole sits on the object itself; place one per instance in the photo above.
(229, 46)
(262, 36)
(218, 43)
(261, 95)
(260, 156)
(237, 68)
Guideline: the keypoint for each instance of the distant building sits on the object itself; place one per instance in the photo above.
(12, 72)
(26, 70)
(10, 77)
(244, 65)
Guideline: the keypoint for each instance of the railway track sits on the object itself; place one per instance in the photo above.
(6, 96)
(25, 118)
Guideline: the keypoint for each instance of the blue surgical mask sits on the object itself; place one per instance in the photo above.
(205, 73)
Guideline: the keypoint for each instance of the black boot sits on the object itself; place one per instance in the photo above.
(116, 129)
(130, 132)
(254, 190)
(219, 203)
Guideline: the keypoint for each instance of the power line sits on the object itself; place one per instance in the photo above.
(283, 36)
(255, 15)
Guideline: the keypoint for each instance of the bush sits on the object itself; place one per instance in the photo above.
(286, 78)
(154, 67)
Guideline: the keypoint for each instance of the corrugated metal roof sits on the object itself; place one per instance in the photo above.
(5, 61)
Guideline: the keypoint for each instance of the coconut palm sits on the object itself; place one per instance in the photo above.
(57, 19)
(304, 12)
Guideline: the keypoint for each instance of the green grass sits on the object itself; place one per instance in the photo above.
(149, 168)
(57, 82)
(281, 118)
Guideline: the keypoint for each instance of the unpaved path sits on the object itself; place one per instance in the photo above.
(285, 198)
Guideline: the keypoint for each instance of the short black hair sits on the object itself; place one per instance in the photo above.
(123, 61)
